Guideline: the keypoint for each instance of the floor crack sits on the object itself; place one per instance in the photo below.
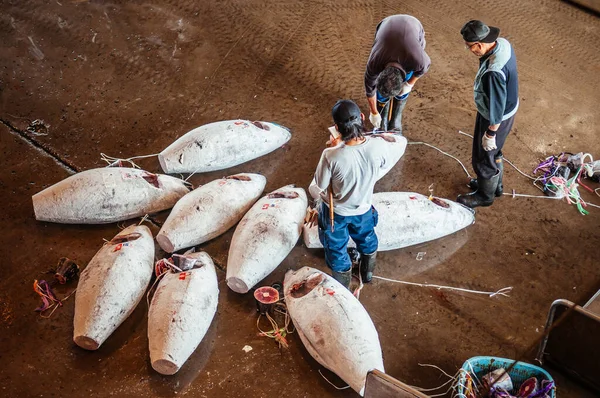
(40, 146)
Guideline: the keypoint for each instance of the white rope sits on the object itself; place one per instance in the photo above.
(334, 386)
(444, 153)
(438, 368)
(195, 171)
(501, 292)
(522, 195)
(450, 380)
(507, 161)
(145, 218)
(516, 168)
(112, 161)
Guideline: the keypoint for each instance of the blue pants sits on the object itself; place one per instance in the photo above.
(360, 228)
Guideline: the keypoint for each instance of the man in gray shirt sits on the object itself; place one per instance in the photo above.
(349, 170)
(398, 59)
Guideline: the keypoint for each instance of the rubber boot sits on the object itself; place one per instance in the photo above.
(500, 188)
(485, 194)
(343, 277)
(384, 112)
(395, 124)
(367, 265)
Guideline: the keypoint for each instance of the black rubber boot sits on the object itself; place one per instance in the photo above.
(384, 112)
(396, 120)
(484, 196)
(500, 188)
(367, 265)
(343, 277)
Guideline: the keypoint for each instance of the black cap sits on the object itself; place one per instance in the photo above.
(477, 31)
(345, 111)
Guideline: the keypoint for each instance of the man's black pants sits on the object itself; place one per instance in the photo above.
(484, 162)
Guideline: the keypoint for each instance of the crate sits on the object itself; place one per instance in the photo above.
(480, 366)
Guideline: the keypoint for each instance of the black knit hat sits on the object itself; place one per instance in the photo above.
(477, 31)
(345, 111)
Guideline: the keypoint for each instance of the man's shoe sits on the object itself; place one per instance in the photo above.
(384, 112)
(500, 188)
(396, 120)
(367, 265)
(343, 277)
(485, 194)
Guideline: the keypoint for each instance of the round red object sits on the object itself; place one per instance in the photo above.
(266, 295)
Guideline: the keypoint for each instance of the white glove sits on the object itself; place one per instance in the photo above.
(488, 142)
(375, 119)
(406, 88)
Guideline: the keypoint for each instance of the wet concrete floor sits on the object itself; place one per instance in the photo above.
(127, 78)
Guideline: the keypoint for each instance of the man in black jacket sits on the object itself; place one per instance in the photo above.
(496, 93)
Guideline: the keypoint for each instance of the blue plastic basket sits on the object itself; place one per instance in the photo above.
(478, 367)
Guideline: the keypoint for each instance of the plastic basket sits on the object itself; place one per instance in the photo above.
(480, 366)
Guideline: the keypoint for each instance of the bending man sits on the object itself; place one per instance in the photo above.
(350, 170)
(398, 59)
(496, 93)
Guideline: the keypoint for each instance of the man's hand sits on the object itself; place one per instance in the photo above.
(488, 142)
(406, 88)
(375, 119)
(311, 217)
(333, 142)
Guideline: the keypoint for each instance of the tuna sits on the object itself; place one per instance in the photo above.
(112, 285)
(221, 145)
(209, 211)
(265, 236)
(333, 325)
(181, 312)
(105, 195)
(406, 219)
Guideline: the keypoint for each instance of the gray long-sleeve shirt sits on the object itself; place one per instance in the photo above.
(400, 41)
(353, 171)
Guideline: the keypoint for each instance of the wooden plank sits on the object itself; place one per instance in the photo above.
(381, 385)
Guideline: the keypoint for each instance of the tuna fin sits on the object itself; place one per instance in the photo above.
(261, 125)
(238, 177)
(283, 195)
(125, 238)
(307, 285)
(151, 179)
(440, 202)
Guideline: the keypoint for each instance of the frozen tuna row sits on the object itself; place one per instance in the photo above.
(331, 322)
(115, 281)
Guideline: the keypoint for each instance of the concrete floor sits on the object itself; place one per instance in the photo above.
(128, 77)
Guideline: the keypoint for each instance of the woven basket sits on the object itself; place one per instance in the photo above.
(478, 367)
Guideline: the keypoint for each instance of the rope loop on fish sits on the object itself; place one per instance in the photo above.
(118, 162)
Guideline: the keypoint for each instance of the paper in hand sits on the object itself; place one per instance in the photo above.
(334, 133)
